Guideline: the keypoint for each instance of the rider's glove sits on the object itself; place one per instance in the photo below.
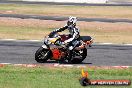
(51, 34)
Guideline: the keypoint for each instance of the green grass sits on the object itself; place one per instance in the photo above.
(47, 77)
(23, 32)
(26, 32)
(79, 11)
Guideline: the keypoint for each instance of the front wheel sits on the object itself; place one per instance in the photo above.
(78, 56)
(41, 55)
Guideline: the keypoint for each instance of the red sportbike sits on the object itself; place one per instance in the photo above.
(52, 49)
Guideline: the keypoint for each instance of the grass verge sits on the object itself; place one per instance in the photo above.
(12, 28)
(79, 11)
(47, 77)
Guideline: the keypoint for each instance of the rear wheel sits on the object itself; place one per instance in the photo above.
(41, 55)
(78, 56)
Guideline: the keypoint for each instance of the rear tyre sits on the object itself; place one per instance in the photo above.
(83, 55)
(41, 55)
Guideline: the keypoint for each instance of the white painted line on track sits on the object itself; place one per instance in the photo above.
(20, 40)
(106, 43)
(63, 65)
(35, 40)
(112, 44)
(8, 39)
(5, 63)
(15, 40)
(67, 65)
(28, 41)
(79, 66)
(128, 44)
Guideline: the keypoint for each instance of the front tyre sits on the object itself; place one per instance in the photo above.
(41, 55)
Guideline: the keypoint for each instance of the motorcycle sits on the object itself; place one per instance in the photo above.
(52, 49)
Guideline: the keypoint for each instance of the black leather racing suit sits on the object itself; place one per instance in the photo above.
(74, 35)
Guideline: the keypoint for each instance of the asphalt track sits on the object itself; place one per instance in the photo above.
(61, 18)
(22, 52)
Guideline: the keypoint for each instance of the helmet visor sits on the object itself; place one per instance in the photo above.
(69, 23)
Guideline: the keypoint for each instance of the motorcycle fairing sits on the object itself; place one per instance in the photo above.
(44, 46)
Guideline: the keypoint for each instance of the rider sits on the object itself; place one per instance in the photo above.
(74, 33)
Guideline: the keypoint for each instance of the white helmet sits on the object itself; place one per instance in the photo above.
(72, 21)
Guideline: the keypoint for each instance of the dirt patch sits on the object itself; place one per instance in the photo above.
(36, 29)
(29, 22)
(55, 24)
